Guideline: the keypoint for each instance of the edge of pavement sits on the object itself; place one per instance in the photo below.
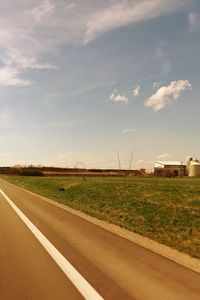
(172, 254)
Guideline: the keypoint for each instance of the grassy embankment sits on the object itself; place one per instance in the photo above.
(165, 210)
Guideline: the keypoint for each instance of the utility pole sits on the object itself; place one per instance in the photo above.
(131, 160)
(119, 164)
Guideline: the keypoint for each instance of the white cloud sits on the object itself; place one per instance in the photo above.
(11, 77)
(128, 130)
(39, 13)
(136, 91)
(126, 12)
(164, 156)
(156, 85)
(14, 58)
(35, 31)
(194, 20)
(115, 97)
(144, 163)
(23, 40)
(167, 94)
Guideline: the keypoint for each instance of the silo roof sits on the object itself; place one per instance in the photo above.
(195, 163)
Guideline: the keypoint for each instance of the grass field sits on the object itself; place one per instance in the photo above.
(165, 210)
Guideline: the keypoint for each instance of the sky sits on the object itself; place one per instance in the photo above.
(83, 80)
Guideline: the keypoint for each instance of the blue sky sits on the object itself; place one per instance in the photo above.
(83, 80)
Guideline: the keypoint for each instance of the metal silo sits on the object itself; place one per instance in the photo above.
(194, 169)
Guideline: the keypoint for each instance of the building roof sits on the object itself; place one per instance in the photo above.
(162, 163)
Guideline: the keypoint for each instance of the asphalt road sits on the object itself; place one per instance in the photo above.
(115, 267)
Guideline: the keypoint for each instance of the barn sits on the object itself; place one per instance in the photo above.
(170, 169)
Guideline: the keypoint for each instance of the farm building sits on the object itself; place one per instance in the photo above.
(193, 167)
(169, 168)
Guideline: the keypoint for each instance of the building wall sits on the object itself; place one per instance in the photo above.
(170, 171)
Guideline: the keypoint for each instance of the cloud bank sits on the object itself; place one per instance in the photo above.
(122, 13)
(38, 29)
(23, 40)
(40, 12)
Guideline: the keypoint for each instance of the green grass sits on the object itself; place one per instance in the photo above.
(165, 210)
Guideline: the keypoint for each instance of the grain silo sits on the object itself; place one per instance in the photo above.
(194, 169)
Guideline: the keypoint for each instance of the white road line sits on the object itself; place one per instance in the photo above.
(86, 290)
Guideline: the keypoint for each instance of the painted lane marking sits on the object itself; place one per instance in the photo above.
(86, 290)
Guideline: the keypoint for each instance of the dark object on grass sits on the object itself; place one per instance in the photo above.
(61, 189)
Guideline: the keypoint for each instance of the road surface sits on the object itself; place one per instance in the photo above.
(113, 266)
